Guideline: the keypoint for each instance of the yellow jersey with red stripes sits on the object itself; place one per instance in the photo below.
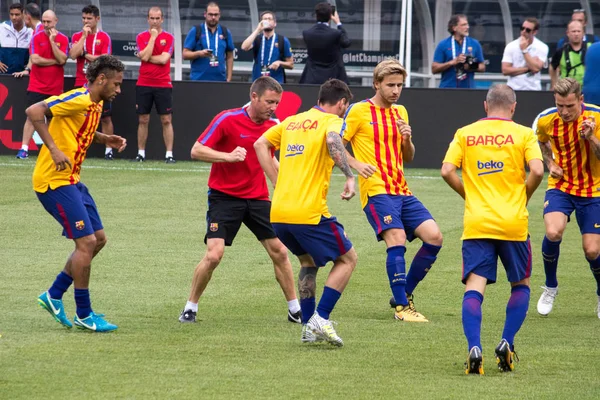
(305, 166)
(377, 141)
(492, 153)
(581, 168)
(75, 118)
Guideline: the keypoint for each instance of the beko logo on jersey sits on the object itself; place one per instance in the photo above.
(498, 140)
(490, 167)
(294, 150)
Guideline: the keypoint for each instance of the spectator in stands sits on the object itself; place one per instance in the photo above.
(525, 57)
(14, 41)
(48, 56)
(272, 52)
(324, 47)
(154, 87)
(459, 56)
(209, 47)
(591, 77)
(579, 15)
(31, 17)
(87, 45)
(569, 60)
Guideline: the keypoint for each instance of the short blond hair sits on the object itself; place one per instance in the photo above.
(565, 86)
(387, 68)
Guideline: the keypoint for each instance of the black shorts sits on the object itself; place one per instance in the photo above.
(35, 97)
(226, 213)
(145, 96)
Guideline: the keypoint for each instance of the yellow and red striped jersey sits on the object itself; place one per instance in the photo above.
(376, 140)
(581, 168)
(75, 118)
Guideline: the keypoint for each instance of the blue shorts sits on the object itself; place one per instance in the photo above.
(324, 242)
(587, 209)
(480, 256)
(386, 211)
(74, 209)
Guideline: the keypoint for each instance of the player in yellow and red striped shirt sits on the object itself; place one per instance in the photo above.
(380, 135)
(570, 143)
(75, 117)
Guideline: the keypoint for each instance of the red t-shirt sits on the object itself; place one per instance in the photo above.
(155, 75)
(228, 130)
(49, 79)
(96, 44)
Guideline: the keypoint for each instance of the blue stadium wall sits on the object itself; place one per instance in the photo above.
(435, 114)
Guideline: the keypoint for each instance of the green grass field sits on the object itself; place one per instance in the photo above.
(243, 347)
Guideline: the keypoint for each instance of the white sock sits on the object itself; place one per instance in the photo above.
(108, 150)
(25, 147)
(169, 154)
(191, 306)
(142, 153)
(294, 306)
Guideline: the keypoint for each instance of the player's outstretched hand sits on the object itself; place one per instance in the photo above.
(237, 155)
(365, 170)
(60, 159)
(556, 172)
(349, 189)
(116, 142)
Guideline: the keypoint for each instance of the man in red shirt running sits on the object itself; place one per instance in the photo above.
(238, 192)
(87, 45)
(48, 55)
(155, 48)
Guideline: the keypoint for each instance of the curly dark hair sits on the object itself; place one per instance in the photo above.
(105, 64)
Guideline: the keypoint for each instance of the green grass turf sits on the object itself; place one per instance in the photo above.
(243, 347)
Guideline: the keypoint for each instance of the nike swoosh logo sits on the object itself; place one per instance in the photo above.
(92, 326)
(244, 136)
(596, 226)
(54, 310)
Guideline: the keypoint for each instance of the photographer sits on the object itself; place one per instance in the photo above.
(272, 52)
(458, 57)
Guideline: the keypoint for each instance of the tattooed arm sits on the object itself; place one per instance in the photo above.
(595, 145)
(337, 151)
(555, 171)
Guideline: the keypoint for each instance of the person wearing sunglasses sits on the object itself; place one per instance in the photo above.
(524, 58)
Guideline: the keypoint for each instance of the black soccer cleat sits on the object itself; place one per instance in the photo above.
(295, 317)
(109, 156)
(474, 364)
(138, 158)
(505, 357)
(187, 316)
(170, 160)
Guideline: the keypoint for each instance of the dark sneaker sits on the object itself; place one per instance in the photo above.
(138, 158)
(109, 156)
(22, 154)
(474, 364)
(505, 357)
(393, 303)
(295, 317)
(170, 160)
(187, 316)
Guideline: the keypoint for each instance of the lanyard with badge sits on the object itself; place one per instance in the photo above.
(85, 61)
(461, 75)
(264, 71)
(213, 62)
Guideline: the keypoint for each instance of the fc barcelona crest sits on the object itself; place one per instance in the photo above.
(214, 226)
(387, 219)
(163, 42)
(79, 225)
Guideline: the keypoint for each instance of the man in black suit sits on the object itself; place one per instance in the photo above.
(324, 46)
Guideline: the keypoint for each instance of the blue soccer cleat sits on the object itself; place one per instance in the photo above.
(22, 154)
(55, 308)
(94, 323)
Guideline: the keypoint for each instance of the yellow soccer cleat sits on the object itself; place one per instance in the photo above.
(409, 314)
(474, 364)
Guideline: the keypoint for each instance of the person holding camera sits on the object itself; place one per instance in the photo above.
(459, 56)
(272, 52)
(524, 58)
(209, 47)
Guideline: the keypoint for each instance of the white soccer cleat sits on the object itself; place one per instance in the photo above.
(323, 329)
(546, 301)
(308, 336)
